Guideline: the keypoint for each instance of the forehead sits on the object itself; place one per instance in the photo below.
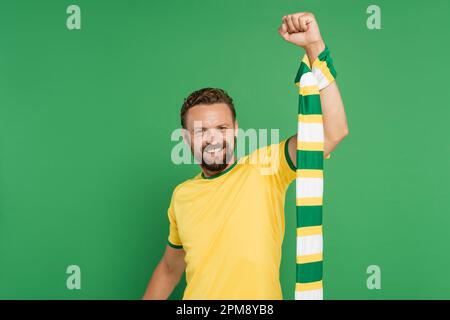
(211, 115)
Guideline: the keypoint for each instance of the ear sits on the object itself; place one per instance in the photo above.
(236, 128)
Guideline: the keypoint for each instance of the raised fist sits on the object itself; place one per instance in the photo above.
(300, 29)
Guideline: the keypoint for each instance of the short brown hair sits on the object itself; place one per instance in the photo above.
(206, 96)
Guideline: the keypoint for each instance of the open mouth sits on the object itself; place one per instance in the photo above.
(214, 150)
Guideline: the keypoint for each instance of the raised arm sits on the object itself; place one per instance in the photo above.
(302, 30)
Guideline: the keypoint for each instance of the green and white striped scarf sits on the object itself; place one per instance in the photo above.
(309, 182)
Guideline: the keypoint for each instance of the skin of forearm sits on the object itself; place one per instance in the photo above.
(162, 283)
(334, 118)
(314, 49)
(301, 29)
(333, 112)
(334, 121)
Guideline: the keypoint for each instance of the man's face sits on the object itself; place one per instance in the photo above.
(211, 135)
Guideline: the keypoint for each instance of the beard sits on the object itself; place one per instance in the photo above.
(214, 163)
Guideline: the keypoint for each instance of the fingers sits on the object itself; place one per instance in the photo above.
(284, 28)
(283, 31)
(305, 20)
(290, 25)
(297, 22)
(303, 23)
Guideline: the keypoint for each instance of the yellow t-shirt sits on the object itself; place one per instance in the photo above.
(231, 227)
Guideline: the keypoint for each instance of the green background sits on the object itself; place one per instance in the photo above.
(86, 117)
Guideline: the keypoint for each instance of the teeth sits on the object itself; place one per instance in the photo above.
(214, 150)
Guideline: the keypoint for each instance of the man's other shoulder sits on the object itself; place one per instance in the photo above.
(186, 184)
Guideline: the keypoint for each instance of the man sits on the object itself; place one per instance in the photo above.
(227, 223)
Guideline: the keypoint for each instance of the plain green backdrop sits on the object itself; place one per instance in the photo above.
(86, 117)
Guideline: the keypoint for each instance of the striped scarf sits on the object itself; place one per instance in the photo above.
(309, 182)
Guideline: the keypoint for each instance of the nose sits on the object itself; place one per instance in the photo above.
(212, 136)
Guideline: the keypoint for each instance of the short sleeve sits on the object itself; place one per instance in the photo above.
(174, 238)
(274, 162)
